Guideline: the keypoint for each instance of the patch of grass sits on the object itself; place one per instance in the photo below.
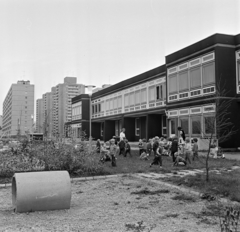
(148, 192)
(184, 197)
(139, 227)
(226, 185)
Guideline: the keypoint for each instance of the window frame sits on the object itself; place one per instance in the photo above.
(204, 125)
(205, 65)
(191, 125)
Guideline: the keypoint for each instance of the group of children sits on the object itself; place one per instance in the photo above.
(111, 148)
(181, 150)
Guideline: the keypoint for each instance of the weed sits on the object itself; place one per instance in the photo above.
(138, 227)
(148, 192)
(183, 197)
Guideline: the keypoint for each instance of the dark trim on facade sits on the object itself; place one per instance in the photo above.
(151, 74)
(207, 43)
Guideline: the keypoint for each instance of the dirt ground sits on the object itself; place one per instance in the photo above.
(109, 205)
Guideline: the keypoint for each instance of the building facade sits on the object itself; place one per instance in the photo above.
(39, 116)
(57, 108)
(182, 92)
(18, 109)
(0, 125)
(79, 124)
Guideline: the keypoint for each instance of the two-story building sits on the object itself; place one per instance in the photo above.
(178, 93)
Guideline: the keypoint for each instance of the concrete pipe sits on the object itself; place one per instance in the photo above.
(38, 191)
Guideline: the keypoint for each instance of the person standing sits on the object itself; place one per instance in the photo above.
(181, 133)
(122, 134)
(122, 145)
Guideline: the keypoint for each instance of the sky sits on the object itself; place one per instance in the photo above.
(101, 41)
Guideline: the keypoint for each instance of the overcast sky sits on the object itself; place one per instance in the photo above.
(101, 41)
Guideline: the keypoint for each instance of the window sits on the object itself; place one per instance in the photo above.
(173, 88)
(120, 102)
(25, 107)
(151, 94)
(184, 124)
(102, 106)
(126, 100)
(196, 125)
(164, 91)
(137, 97)
(238, 68)
(158, 92)
(131, 99)
(111, 104)
(107, 105)
(92, 109)
(102, 128)
(96, 109)
(183, 81)
(115, 103)
(195, 77)
(137, 126)
(144, 95)
(208, 74)
(99, 107)
(209, 125)
(164, 125)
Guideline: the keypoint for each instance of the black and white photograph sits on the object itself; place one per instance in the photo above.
(119, 115)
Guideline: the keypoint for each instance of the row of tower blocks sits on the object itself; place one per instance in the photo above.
(180, 92)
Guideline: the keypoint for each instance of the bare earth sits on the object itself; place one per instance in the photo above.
(108, 205)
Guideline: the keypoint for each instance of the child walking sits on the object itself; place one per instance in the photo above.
(195, 149)
(140, 146)
(113, 150)
(127, 148)
(149, 147)
(188, 150)
(157, 155)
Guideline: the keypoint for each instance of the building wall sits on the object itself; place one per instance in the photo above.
(18, 109)
(39, 116)
(62, 108)
(191, 77)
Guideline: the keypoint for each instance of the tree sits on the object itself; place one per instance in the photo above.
(218, 127)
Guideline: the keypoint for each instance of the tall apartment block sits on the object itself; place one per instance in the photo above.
(0, 125)
(62, 97)
(39, 116)
(55, 109)
(18, 109)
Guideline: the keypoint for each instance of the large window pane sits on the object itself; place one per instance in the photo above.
(172, 80)
(151, 93)
(115, 103)
(107, 104)
(132, 99)
(111, 104)
(144, 95)
(195, 77)
(164, 91)
(208, 74)
(157, 92)
(184, 124)
(137, 97)
(102, 106)
(183, 81)
(238, 67)
(209, 125)
(126, 100)
(120, 102)
(196, 125)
